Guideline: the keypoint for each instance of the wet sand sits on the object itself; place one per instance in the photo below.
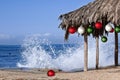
(109, 73)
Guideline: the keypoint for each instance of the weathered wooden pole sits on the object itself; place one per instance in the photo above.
(97, 52)
(85, 52)
(116, 49)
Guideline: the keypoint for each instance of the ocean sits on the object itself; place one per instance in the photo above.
(10, 55)
(40, 53)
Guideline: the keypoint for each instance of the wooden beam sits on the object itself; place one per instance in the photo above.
(116, 49)
(85, 52)
(97, 52)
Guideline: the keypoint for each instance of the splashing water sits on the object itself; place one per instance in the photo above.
(67, 58)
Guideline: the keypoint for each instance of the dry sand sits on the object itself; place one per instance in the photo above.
(109, 73)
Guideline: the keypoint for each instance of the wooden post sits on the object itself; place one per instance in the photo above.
(116, 49)
(97, 52)
(85, 52)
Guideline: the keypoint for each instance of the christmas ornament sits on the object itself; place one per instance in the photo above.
(51, 73)
(81, 30)
(117, 29)
(108, 27)
(112, 30)
(90, 30)
(98, 25)
(104, 39)
(72, 30)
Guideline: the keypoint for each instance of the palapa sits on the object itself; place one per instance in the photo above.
(99, 10)
(105, 11)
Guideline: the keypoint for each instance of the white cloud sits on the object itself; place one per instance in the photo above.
(36, 35)
(39, 35)
(5, 36)
(47, 34)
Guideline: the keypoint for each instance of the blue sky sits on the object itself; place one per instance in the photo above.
(19, 18)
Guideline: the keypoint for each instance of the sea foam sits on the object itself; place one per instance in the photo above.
(69, 59)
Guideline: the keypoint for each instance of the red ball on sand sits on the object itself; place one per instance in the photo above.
(51, 73)
(98, 25)
(72, 30)
(112, 30)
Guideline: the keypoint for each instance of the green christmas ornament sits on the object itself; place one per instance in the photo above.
(104, 39)
(117, 29)
(90, 30)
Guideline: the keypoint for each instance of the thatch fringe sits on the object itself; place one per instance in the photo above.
(100, 10)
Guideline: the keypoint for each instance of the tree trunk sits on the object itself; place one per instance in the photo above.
(97, 52)
(85, 52)
(116, 49)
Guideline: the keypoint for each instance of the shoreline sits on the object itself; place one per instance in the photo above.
(108, 73)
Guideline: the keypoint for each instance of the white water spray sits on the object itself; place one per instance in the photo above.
(69, 59)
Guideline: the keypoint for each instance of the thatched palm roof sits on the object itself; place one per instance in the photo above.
(99, 10)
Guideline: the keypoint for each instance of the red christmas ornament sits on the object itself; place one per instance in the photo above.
(51, 73)
(112, 30)
(98, 25)
(72, 30)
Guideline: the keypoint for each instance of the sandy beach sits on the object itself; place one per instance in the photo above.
(109, 73)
